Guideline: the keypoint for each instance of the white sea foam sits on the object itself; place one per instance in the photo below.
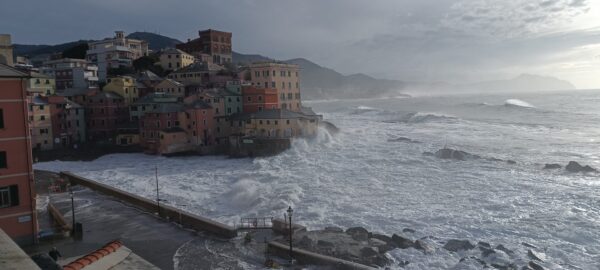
(518, 103)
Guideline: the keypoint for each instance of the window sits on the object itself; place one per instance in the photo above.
(260, 108)
(268, 122)
(1, 118)
(273, 84)
(260, 122)
(9, 196)
(43, 117)
(287, 121)
(3, 163)
(249, 99)
(259, 98)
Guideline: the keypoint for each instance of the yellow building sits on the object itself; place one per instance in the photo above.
(173, 59)
(283, 77)
(40, 85)
(275, 124)
(124, 86)
(40, 123)
(170, 87)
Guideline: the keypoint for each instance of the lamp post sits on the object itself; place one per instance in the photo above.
(290, 211)
(157, 197)
(72, 210)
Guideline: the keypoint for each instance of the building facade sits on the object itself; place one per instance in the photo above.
(125, 86)
(216, 44)
(40, 85)
(170, 87)
(70, 72)
(104, 112)
(172, 59)
(40, 123)
(259, 99)
(17, 192)
(283, 77)
(115, 52)
(68, 122)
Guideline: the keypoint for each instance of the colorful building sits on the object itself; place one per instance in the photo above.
(40, 85)
(17, 192)
(198, 120)
(125, 86)
(278, 123)
(104, 112)
(161, 116)
(283, 77)
(70, 72)
(215, 43)
(40, 123)
(171, 87)
(258, 99)
(68, 122)
(172, 59)
(115, 52)
(198, 73)
(148, 103)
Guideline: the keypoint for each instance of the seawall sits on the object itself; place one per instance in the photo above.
(186, 219)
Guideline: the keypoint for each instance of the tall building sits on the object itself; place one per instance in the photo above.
(17, 193)
(283, 77)
(40, 123)
(71, 73)
(211, 42)
(115, 52)
(6, 50)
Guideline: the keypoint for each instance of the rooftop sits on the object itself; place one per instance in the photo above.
(11, 72)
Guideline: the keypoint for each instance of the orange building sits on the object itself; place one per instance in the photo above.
(259, 99)
(17, 193)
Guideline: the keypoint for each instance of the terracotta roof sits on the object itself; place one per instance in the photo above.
(94, 256)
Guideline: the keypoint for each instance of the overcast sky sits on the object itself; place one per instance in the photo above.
(413, 40)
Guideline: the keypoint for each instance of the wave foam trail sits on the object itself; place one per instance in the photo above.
(419, 117)
(517, 103)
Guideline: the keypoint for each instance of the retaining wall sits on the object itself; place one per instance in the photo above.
(186, 219)
(307, 257)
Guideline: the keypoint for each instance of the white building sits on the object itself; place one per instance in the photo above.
(71, 73)
(115, 52)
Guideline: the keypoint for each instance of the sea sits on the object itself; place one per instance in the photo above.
(377, 172)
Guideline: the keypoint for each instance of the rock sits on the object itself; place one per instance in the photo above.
(325, 244)
(535, 255)
(576, 167)
(428, 154)
(480, 261)
(305, 242)
(457, 245)
(535, 266)
(512, 162)
(382, 246)
(506, 250)
(383, 238)
(486, 251)
(334, 229)
(447, 153)
(402, 242)
(369, 251)
(358, 233)
(424, 246)
(504, 267)
(484, 244)
(408, 230)
(549, 166)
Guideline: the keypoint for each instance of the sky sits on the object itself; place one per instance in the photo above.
(457, 41)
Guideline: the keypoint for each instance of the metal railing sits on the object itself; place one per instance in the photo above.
(255, 223)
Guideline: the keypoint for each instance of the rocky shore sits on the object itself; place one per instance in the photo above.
(359, 245)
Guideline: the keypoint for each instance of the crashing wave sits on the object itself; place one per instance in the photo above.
(418, 117)
(517, 103)
(363, 109)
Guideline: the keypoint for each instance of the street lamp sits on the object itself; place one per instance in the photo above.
(72, 210)
(290, 211)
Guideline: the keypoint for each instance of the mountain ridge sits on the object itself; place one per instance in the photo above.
(319, 82)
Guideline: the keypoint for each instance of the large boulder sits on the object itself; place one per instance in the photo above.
(401, 241)
(427, 248)
(536, 255)
(504, 249)
(576, 167)
(334, 229)
(535, 266)
(358, 233)
(458, 245)
(383, 238)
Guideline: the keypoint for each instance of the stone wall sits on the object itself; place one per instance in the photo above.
(308, 258)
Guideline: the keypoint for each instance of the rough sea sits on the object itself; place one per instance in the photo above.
(374, 174)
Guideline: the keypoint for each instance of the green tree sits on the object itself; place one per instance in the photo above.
(78, 51)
